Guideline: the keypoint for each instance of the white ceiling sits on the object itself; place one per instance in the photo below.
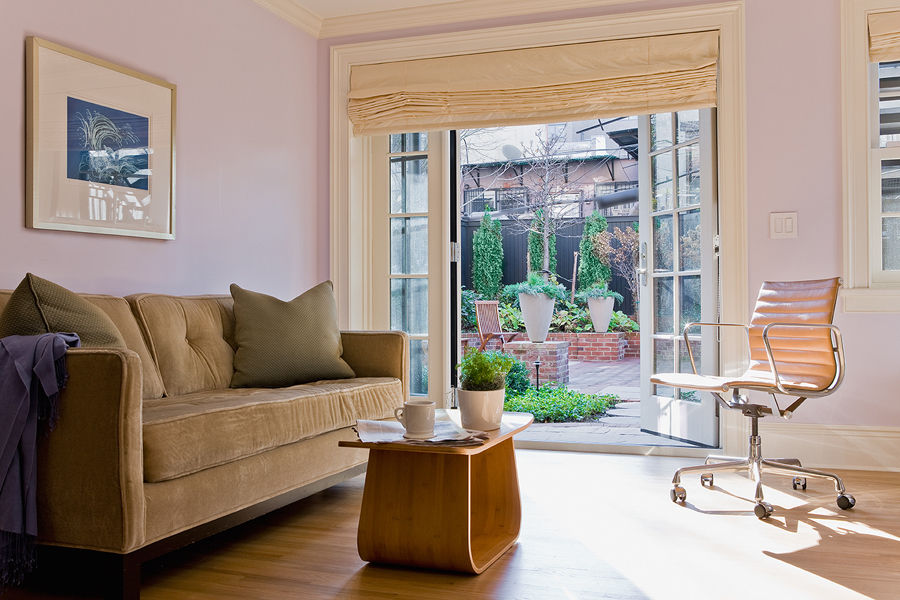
(327, 9)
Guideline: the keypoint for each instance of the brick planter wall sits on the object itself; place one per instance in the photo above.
(633, 344)
(554, 357)
(588, 345)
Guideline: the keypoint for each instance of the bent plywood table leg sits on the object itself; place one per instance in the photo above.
(458, 512)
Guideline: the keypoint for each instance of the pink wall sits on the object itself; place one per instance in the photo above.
(246, 135)
(793, 164)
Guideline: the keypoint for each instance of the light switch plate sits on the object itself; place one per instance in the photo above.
(782, 225)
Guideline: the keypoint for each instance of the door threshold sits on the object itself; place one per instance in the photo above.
(680, 451)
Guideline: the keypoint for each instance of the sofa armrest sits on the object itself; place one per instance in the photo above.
(378, 354)
(90, 468)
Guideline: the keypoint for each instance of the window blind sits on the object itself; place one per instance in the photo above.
(536, 85)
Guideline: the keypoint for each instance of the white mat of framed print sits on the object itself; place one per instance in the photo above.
(100, 145)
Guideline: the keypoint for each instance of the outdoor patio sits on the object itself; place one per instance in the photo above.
(621, 425)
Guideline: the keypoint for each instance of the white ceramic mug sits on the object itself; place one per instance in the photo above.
(417, 417)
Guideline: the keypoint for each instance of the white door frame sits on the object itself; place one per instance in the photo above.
(350, 192)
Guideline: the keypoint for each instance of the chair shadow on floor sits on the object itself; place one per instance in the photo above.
(868, 535)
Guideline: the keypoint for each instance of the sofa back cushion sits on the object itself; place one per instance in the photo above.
(191, 338)
(117, 309)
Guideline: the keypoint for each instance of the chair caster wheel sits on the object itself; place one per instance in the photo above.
(706, 479)
(846, 501)
(799, 483)
(677, 494)
(763, 510)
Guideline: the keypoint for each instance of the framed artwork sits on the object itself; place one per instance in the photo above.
(100, 145)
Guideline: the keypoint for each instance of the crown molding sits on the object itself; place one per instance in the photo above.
(461, 11)
(295, 14)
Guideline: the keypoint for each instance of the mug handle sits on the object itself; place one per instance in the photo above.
(398, 414)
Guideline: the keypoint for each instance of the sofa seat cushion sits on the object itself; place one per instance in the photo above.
(189, 433)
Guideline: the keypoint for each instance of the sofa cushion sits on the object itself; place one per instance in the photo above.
(39, 306)
(117, 309)
(191, 339)
(189, 433)
(285, 343)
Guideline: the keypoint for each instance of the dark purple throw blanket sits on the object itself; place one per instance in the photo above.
(32, 373)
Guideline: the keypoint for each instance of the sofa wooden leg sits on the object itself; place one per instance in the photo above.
(125, 577)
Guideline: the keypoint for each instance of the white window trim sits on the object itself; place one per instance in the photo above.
(351, 201)
(861, 291)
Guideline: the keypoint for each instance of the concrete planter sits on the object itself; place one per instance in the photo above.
(601, 312)
(537, 311)
(481, 410)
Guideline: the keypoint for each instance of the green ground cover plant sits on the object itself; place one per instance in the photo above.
(559, 404)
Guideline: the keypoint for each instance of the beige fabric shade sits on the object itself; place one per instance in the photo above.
(884, 36)
(536, 85)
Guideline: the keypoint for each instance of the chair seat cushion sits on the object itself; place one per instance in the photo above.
(189, 433)
(750, 379)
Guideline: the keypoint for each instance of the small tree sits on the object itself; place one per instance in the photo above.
(537, 232)
(592, 269)
(621, 248)
(487, 257)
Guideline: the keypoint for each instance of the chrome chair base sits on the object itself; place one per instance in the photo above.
(756, 465)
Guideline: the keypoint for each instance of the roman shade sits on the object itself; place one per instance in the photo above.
(536, 85)
(884, 36)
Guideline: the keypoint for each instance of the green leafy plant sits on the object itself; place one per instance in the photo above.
(598, 291)
(570, 318)
(551, 404)
(593, 270)
(511, 317)
(619, 321)
(467, 309)
(518, 379)
(484, 371)
(487, 257)
(536, 284)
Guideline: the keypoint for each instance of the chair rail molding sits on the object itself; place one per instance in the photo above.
(348, 197)
(834, 446)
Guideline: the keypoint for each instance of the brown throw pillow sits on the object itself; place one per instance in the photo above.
(39, 306)
(285, 343)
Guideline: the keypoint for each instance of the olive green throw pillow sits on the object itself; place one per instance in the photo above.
(285, 343)
(39, 306)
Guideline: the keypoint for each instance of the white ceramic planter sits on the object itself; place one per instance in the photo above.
(601, 311)
(481, 410)
(537, 310)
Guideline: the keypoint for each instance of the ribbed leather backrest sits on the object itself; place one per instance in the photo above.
(191, 339)
(801, 355)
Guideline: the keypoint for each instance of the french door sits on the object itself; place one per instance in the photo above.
(410, 264)
(678, 269)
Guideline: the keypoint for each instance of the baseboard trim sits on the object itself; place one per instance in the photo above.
(834, 446)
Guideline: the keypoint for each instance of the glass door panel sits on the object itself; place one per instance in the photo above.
(677, 225)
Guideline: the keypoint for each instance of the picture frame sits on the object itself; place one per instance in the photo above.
(99, 145)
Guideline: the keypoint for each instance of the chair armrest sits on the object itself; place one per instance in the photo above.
(90, 467)
(378, 354)
(687, 343)
(837, 347)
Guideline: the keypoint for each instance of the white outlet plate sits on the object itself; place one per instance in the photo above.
(782, 225)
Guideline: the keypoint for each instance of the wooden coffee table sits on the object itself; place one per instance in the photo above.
(456, 509)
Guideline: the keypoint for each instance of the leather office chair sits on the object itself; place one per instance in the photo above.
(796, 351)
(487, 315)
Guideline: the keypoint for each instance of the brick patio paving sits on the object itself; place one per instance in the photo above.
(621, 425)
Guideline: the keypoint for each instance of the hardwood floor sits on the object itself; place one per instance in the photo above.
(593, 526)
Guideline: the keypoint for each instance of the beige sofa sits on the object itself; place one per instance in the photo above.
(153, 450)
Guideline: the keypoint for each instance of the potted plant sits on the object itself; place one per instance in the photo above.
(482, 387)
(600, 300)
(536, 298)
